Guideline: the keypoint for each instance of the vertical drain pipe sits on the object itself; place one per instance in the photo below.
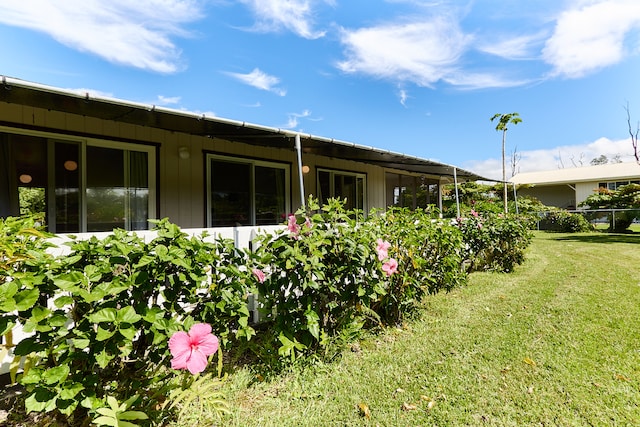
(299, 151)
(455, 181)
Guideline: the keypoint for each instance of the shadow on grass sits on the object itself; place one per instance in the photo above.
(601, 238)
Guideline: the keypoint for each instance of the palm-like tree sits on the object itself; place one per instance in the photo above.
(503, 121)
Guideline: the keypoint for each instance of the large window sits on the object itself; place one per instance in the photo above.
(343, 185)
(246, 192)
(81, 185)
(410, 191)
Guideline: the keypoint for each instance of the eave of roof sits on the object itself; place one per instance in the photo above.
(608, 172)
(35, 95)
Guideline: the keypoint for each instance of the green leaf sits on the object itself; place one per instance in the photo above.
(28, 345)
(128, 315)
(56, 375)
(105, 421)
(145, 260)
(69, 391)
(103, 334)
(26, 299)
(58, 320)
(133, 415)
(313, 322)
(62, 301)
(129, 332)
(152, 314)
(103, 358)
(40, 400)
(38, 313)
(6, 324)
(104, 315)
(81, 343)
(68, 281)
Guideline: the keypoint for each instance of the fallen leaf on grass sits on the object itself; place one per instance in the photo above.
(529, 361)
(530, 390)
(364, 410)
(409, 407)
(622, 377)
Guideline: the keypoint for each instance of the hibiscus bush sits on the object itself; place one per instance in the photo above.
(102, 316)
(322, 275)
(119, 326)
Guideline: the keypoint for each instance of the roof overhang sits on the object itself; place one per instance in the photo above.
(26, 93)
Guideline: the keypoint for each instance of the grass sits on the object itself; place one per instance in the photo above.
(555, 343)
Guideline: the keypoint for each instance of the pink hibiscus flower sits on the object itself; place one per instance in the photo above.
(474, 213)
(390, 266)
(190, 350)
(292, 225)
(382, 249)
(259, 274)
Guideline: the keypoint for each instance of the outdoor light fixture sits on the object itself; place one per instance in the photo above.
(71, 165)
(305, 169)
(25, 178)
(183, 152)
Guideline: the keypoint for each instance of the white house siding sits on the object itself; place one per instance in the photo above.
(561, 195)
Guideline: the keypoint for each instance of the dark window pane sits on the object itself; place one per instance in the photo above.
(67, 187)
(269, 195)
(230, 193)
(105, 189)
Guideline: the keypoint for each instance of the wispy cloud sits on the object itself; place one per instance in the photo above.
(261, 80)
(592, 36)
(514, 47)
(291, 15)
(403, 95)
(137, 34)
(292, 122)
(564, 156)
(421, 52)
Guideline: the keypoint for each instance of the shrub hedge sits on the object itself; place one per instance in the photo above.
(101, 317)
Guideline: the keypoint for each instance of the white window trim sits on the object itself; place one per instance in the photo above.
(253, 162)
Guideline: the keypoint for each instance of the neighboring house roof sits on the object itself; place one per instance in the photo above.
(608, 172)
(35, 95)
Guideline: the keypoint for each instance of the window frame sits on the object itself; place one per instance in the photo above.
(83, 142)
(332, 174)
(284, 166)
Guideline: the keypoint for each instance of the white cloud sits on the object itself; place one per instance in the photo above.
(293, 15)
(292, 122)
(565, 156)
(509, 47)
(260, 80)
(591, 36)
(133, 33)
(421, 52)
(167, 100)
(91, 92)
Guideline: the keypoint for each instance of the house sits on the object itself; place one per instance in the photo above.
(566, 188)
(93, 164)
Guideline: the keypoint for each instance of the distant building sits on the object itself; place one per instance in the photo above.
(566, 188)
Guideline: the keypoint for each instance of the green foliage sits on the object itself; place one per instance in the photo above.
(101, 316)
(625, 197)
(565, 222)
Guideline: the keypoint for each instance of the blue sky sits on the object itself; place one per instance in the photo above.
(416, 77)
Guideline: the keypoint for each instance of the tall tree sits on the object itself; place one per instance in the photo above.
(634, 135)
(503, 121)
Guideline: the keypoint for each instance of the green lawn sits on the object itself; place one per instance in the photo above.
(555, 343)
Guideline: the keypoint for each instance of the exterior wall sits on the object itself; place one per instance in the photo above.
(181, 182)
(561, 196)
(584, 190)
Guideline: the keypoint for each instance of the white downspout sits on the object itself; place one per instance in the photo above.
(300, 175)
(455, 182)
